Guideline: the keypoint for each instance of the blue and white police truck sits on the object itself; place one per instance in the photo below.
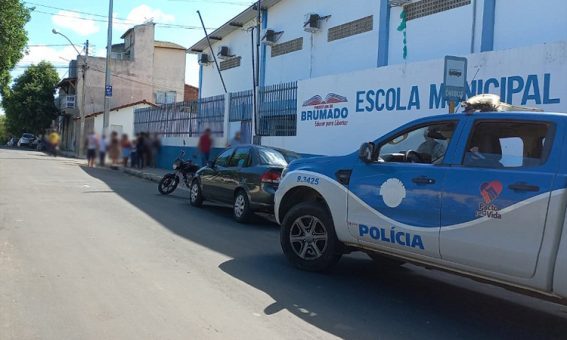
(480, 194)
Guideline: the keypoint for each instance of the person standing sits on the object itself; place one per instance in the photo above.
(236, 140)
(133, 151)
(54, 140)
(114, 148)
(102, 148)
(140, 148)
(91, 144)
(126, 148)
(156, 145)
(204, 146)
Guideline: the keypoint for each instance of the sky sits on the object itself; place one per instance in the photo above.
(80, 20)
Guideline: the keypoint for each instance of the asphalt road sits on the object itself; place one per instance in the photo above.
(97, 254)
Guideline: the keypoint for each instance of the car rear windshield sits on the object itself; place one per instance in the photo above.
(28, 135)
(271, 157)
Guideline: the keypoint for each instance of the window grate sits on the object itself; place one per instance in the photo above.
(428, 7)
(230, 63)
(351, 28)
(287, 47)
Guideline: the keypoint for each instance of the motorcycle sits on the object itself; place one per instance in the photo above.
(185, 168)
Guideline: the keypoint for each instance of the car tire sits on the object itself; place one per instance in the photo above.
(308, 238)
(385, 261)
(241, 207)
(195, 194)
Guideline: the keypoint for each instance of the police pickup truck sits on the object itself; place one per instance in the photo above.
(482, 195)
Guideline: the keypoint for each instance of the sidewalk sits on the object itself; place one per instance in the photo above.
(151, 174)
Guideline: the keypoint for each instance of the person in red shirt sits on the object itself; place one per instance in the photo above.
(204, 146)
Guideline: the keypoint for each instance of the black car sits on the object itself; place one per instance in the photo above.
(245, 176)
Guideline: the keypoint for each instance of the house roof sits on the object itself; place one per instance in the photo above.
(66, 80)
(230, 26)
(168, 44)
(139, 102)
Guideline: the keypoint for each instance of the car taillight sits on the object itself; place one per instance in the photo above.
(271, 177)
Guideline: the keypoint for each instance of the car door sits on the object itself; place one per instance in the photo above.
(495, 200)
(233, 174)
(213, 178)
(395, 202)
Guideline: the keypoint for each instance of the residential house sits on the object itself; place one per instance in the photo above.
(143, 69)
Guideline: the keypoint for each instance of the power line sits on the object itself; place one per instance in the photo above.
(124, 21)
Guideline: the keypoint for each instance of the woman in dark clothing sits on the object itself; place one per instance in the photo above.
(141, 150)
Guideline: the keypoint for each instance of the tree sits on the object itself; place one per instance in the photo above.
(3, 132)
(13, 38)
(29, 104)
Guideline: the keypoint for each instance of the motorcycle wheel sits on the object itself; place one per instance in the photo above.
(168, 184)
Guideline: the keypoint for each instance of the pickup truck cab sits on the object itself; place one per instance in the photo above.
(482, 195)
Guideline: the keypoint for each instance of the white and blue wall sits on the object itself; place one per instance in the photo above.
(509, 44)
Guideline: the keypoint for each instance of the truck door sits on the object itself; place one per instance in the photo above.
(495, 201)
(395, 202)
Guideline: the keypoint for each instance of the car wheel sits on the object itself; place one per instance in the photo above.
(241, 207)
(196, 196)
(308, 237)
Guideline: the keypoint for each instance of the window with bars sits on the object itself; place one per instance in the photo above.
(230, 63)
(428, 7)
(287, 47)
(351, 28)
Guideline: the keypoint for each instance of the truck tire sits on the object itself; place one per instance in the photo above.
(308, 237)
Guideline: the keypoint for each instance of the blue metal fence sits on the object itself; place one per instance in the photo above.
(278, 110)
(240, 106)
(182, 119)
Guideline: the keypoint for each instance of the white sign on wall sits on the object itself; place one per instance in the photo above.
(337, 113)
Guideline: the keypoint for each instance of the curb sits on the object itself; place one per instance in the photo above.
(145, 175)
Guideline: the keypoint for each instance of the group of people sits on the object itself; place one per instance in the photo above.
(138, 152)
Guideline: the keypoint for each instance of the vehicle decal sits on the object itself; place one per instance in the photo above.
(392, 235)
(393, 192)
(308, 179)
(389, 221)
(489, 192)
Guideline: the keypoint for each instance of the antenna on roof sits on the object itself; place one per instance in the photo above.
(492, 103)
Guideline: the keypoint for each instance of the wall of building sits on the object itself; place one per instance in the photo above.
(237, 78)
(167, 63)
(458, 31)
(527, 22)
(121, 120)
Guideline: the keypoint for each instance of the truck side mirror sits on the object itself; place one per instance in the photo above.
(366, 151)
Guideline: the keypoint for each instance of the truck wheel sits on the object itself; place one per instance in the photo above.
(308, 237)
(241, 207)
(385, 261)
(195, 196)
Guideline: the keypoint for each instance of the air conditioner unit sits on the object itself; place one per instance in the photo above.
(204, 59)
(271, 37)
(224, 53)
(312, 23)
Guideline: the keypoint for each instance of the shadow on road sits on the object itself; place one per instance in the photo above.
(356, 300)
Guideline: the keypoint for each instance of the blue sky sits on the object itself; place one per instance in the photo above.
(91, 24)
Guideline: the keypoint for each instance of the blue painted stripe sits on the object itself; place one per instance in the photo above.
(384, 33)
(168, 154)
(488, 19)
(263, 60)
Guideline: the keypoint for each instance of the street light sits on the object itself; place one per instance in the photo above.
(82, 113)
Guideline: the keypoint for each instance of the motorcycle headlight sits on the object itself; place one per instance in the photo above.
(175, 166)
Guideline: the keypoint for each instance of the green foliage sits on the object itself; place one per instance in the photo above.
(13, 38)
(3, 132)
(29, 104)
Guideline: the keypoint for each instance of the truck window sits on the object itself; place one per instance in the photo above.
(512, 144)
(425, 144)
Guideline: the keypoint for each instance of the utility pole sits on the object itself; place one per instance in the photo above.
(82, 119)
(107, 81)
(257, 76)
(84, 68)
